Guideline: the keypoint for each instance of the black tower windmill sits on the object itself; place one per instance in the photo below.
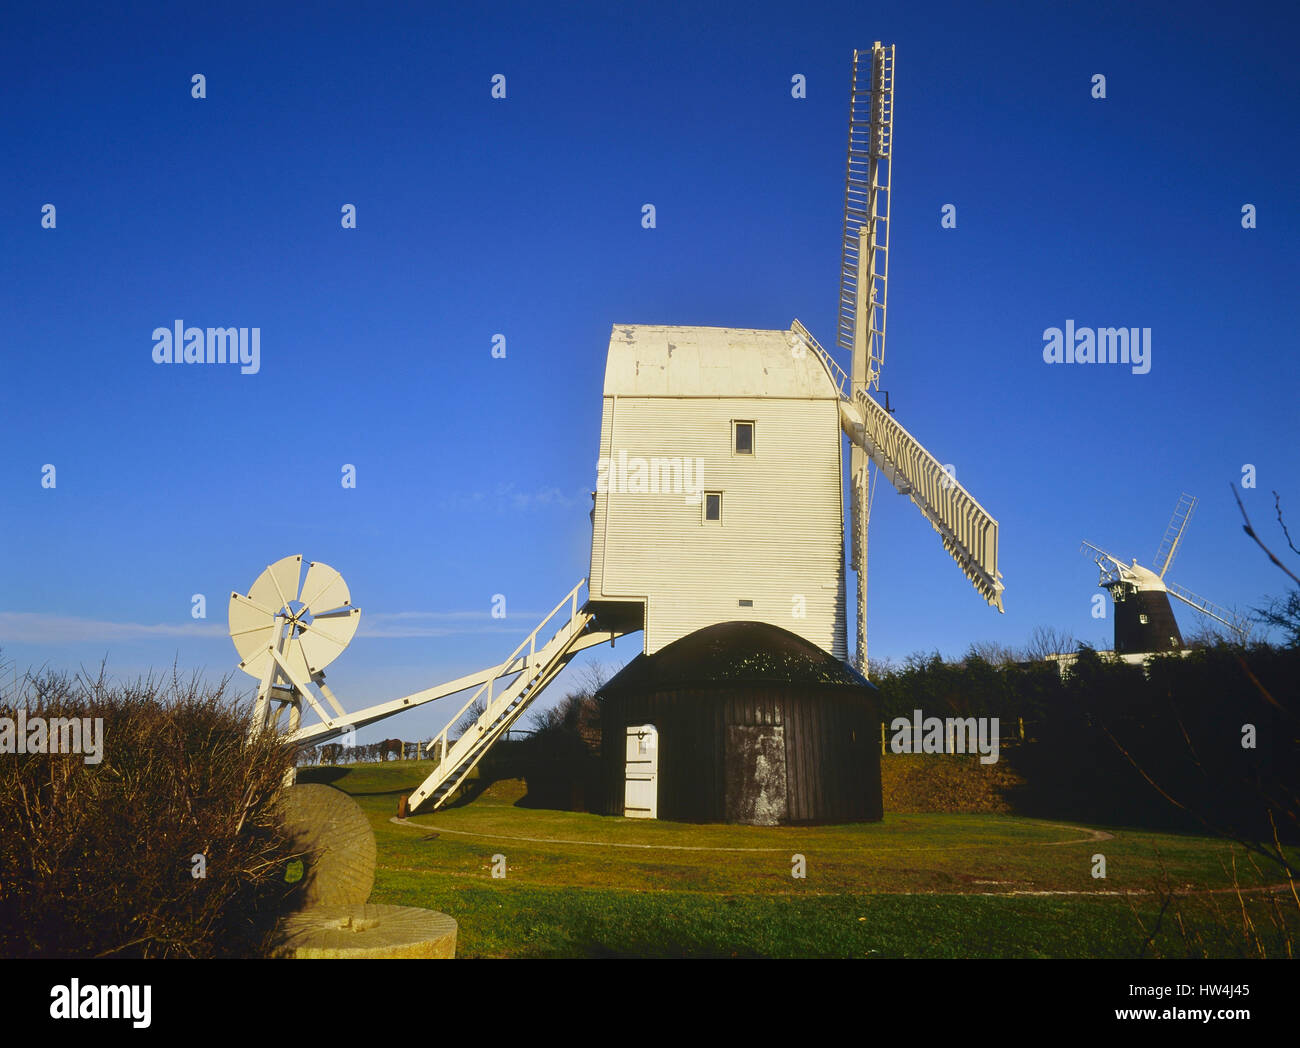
(1144, 618)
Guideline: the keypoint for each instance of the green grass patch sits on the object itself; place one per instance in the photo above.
(913, 885)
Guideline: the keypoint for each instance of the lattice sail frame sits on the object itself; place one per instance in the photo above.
(968, 532)
(867, 180)
(864, 276)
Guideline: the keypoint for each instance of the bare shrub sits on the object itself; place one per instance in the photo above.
(100, 860)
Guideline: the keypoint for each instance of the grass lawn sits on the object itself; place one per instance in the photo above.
(917, 885)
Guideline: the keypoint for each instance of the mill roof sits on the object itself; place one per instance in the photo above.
(734, 652)
(649, 360)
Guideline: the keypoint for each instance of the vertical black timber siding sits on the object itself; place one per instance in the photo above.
(1159, 633)
(832, 747)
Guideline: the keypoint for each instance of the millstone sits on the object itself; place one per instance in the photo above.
(333, 831)
(359, 932)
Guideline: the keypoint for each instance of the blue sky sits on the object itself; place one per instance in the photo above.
(522, 217)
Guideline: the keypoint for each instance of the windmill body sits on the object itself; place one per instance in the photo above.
(751, 420)
(719, 485)
(718, 517)
(1144, 617)
(767, 544)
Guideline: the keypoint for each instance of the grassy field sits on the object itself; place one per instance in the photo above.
(915, 885)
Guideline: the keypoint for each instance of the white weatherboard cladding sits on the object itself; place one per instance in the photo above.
(782, 527)
(656, 361)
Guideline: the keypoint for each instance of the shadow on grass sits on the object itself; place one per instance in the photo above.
(333, 775)
(470, 792)
(325, 775)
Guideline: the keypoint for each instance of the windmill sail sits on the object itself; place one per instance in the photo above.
(965, 527)
(864, 274)
(1174, 533)
(1239, 625)
(864, 248)
(967, 530)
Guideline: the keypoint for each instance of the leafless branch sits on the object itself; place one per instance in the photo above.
(1277, 504)
(1251, 532)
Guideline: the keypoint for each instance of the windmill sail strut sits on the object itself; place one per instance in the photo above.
(969, 534)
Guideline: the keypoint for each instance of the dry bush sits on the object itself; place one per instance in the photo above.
(97, 860)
